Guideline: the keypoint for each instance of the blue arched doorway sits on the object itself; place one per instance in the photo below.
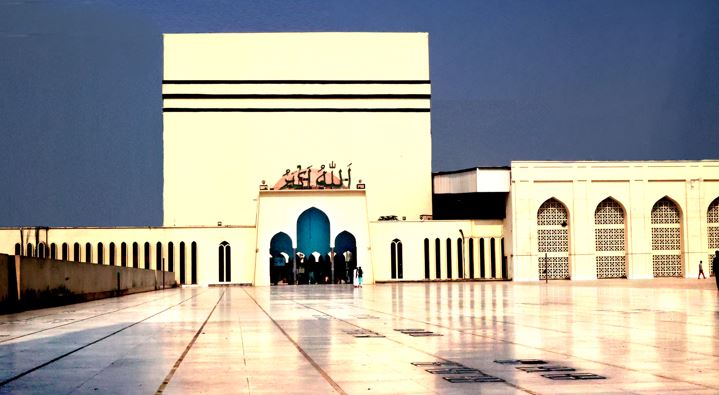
(313, 246)
(345, 256)
(281, 259)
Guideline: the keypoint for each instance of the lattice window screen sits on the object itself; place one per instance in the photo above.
(610, 266)
(553, 240)
(712, 231)
(666, 239)
(609, 212)
(665, 212)
(609, 240)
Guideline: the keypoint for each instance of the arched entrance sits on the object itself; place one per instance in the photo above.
(281, 259)
(313, 245)
(345, 256)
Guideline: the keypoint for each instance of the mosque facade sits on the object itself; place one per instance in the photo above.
(292, 158)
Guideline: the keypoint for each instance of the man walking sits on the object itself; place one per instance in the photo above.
(715, 267)
(701, 271)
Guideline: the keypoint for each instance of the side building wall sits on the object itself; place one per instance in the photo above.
(613, 219)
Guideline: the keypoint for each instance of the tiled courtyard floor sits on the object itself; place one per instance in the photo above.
(654, 336)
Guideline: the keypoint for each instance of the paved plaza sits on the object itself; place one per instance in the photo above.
(610, 336)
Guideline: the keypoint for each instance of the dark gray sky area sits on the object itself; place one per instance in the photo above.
(81, 108)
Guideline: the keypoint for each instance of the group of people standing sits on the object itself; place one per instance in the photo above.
(715, 268)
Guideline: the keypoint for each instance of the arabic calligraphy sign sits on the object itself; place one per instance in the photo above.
(309, 178)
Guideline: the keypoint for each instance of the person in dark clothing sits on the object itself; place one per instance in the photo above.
(715, 267)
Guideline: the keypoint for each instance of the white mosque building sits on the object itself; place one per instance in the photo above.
(291, 158)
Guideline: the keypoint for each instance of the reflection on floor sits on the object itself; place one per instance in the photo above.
(610, 336)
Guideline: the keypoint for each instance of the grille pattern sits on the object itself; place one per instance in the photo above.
(608, 239)
(609, 212)
(665, 212)
(665, 239)
(712, 231)
(552, 213)
(667, 266)
(557, 267)
(609, 266)
(713, 212)
(553, 240)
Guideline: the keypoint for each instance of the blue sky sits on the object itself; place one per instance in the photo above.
(80, 108)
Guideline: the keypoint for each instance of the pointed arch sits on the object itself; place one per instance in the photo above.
(346, 258)
(100, 253)
(610, 235)
(281, 258)
(313, 232)
(224, 262)
(666, 221)
(712, 232)
(553, 240)
(396, 259)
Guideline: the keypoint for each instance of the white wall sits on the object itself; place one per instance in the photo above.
(214, 161)
(637, 186)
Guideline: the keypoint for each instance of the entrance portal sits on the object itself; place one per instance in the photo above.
(313, 246)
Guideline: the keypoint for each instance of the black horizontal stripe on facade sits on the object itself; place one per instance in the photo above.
(175, 109)
(341, 82)
(293, 96)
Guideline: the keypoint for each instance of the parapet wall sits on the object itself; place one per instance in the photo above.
(27, 283)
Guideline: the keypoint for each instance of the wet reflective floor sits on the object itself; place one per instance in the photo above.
(610, 336)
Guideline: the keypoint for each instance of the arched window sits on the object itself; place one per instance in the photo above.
(182, 262)
(553, 238)
(225, 262)
(29, 251)
(712, 232)
(41, 250)
(505, 268)
(147, 251)
(426, 259)
(471, 258)
(609, 239)
(437, 259)
(158, 256)
(64, 251)
(76, 253)
(18, 249)
(88, 252)
(135, 255)
(396, 259)
(123, 254)
(493, 256)
(171, 257)
(113, 254)
(460, 260)
(449, 258)
(482, 260)
(53, 251)
(100, 254)
(666, 239)
(193, 262)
